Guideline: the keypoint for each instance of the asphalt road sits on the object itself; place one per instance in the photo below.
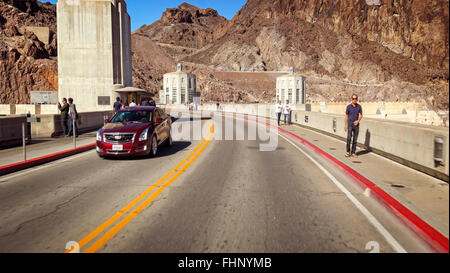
(227, 196)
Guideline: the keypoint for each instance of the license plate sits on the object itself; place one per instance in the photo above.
(117, 147)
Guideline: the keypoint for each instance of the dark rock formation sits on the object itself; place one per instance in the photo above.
(187, 26)
(26, 64)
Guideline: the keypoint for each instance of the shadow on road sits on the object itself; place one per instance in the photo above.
(176, 147)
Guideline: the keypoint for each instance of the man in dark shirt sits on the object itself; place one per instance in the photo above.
(353, 116)
(117, 105)
(64, 115)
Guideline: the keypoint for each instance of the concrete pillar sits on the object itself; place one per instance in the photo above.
(93, 52)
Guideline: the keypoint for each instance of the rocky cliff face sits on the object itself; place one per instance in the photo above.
(24, 6)
(384, 50)
(26, 63)
(417, 30)
(148, 69)
(390, 50)
(183, 29)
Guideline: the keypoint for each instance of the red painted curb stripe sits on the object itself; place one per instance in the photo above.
(7, 169)
(434, 238)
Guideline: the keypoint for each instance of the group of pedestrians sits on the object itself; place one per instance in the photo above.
(69, 117)
(285, 110)
(69, 113)
(119, 105)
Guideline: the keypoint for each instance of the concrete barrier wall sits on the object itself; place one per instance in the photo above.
(370, 108)
(46, 127)
(11, 130)
(5, 109)
(49, 109)
(407, 143)
(50, 125)
(22, 109)
(93, 120)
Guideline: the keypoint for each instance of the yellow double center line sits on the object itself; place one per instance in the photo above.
(114, 230)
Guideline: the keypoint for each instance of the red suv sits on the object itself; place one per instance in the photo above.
(135, 131)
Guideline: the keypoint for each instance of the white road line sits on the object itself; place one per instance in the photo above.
(389, 238)
(3, 179)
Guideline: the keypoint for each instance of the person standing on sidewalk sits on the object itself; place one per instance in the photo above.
(64, 108)
(278, 110)
(117, 105)
(73, 115)
(353, 116)
(287, 113)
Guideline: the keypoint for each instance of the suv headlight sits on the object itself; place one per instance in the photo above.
(99, 135)
(143, 136)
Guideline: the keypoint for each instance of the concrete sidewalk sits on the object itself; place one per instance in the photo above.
(43, 146)
(424, 195)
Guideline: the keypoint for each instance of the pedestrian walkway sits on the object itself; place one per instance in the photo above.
(43, 146)
(424, 195)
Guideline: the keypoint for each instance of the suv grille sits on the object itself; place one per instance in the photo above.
(118, 152)
(119, 138)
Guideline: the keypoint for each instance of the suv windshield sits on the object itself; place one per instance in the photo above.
(132, 116)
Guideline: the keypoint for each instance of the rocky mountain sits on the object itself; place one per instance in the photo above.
(179, 33)
(390, 50)
(417, 30)
(384, 50)
(182, 30)
(148, 69)
(26, 62)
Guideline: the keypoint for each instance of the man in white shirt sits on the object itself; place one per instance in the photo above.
(132, 104)
(278, 110)
(287, 113)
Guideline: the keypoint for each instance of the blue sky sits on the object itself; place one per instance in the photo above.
(148, 11)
